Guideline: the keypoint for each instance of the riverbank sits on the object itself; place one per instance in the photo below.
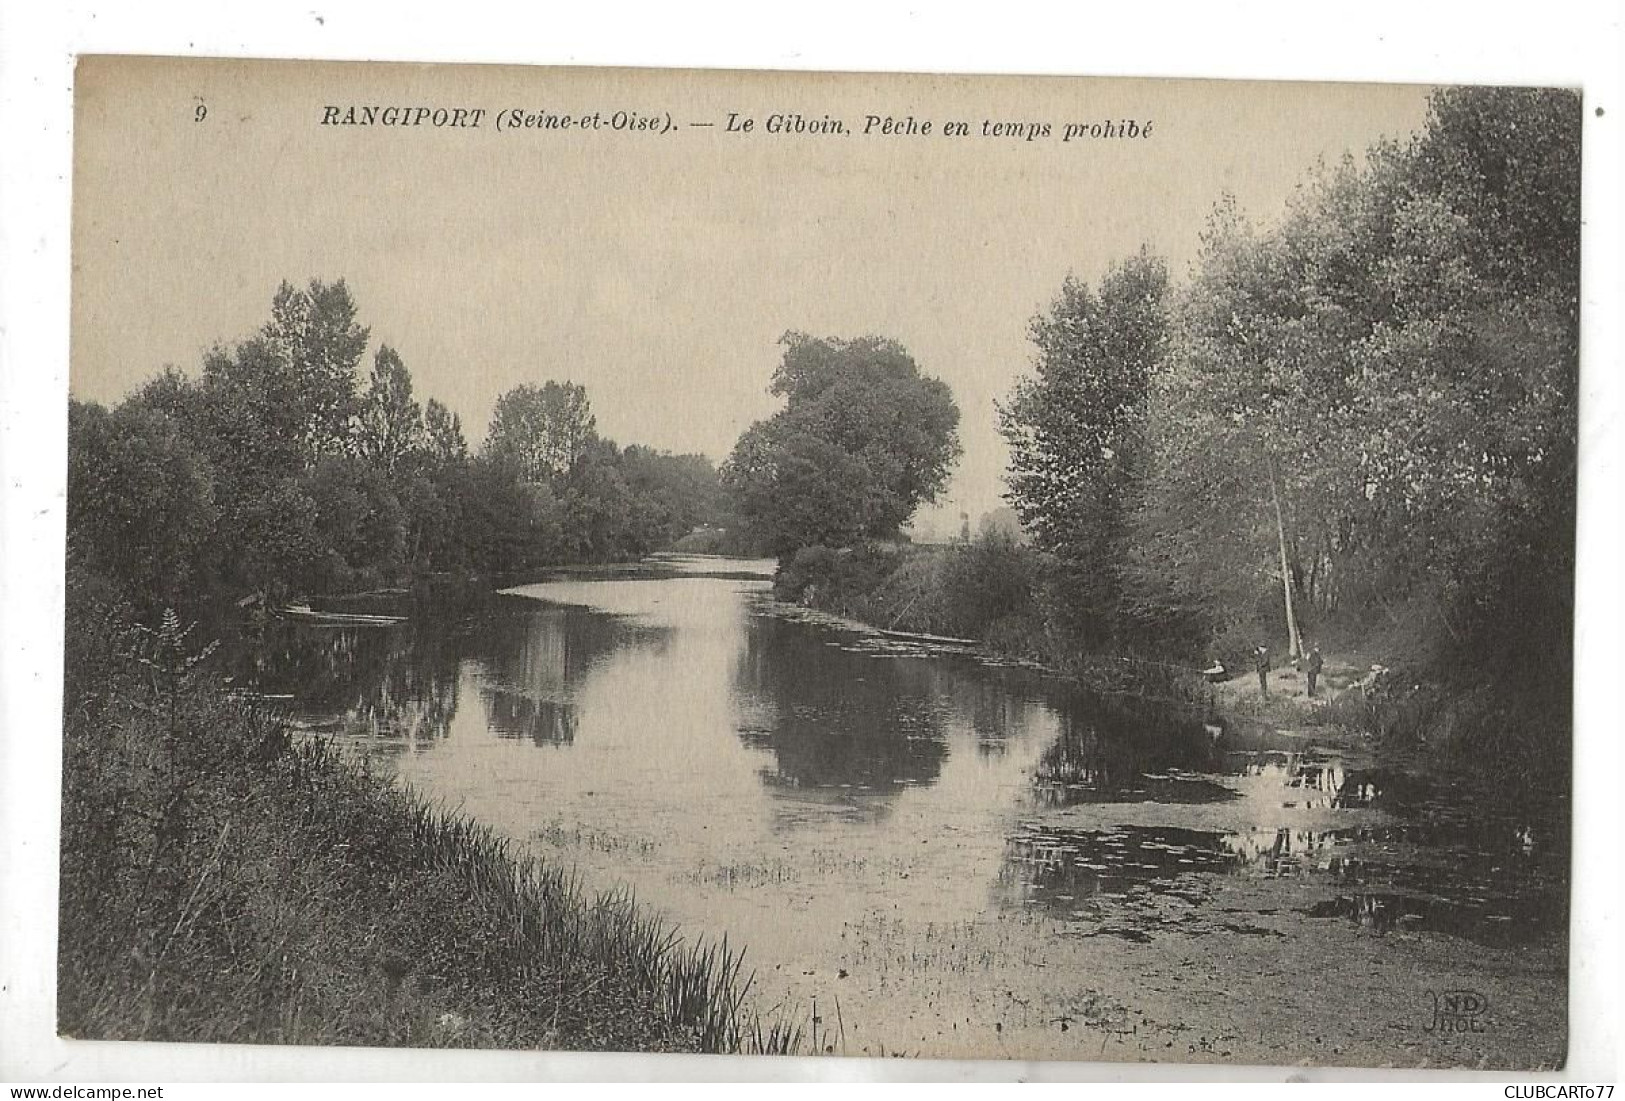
(983, 596)
(936, 853)
(222, 881)
(992, 596)
(1320, 867)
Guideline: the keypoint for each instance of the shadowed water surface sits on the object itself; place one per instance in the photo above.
(890, 825)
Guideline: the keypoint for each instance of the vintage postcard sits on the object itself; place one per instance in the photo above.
(826, 564)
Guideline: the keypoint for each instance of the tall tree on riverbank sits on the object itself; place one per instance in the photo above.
(243, 481)
(1395, 365)
(864, 439)
(315, 334)
(1481, 382)
(1076, 433)
(390, 424)
(140, 499)
(540, 432)
(443, 434)
(1368, 409)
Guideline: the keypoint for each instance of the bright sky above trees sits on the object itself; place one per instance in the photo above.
(660, 272)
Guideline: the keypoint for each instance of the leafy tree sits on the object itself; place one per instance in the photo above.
(673, 494)
(171, 393)
(245, 415)
(795, 489)
(1396, 366)
(1225, 445)
(1076, 430)
(863, 440)
(502, 525)
(599, 517)
(1506, 162)
(254, 409)
(391, 422)
(315, 335)
(430, 493)
(257, 481)
(359, 526)
(1478, 385)
(540, 432)
(273, 542)
(429, 530)
(140, 499)
(443, 435)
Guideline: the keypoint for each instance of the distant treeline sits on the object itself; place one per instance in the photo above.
(223, 879)
(278, 469)
(1376, 396)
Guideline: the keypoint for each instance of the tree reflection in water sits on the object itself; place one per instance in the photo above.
(835, 719)
(1385, 847)
(1153, 806)
(1110, 751)
(402, 684)
(392, 684)
(533, 662)
(545, 722)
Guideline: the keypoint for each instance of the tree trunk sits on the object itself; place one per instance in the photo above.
(1295, 644)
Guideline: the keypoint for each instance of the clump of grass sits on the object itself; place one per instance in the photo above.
(224, 882)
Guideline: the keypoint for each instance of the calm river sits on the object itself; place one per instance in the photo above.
(927, 854)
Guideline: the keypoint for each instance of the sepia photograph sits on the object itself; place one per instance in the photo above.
(820, 564)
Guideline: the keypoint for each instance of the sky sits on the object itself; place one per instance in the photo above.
(658, 270)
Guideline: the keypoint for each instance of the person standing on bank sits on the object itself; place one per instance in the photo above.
(1313, 666)
(1261, 662)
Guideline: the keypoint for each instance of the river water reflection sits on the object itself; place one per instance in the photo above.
(893, 830)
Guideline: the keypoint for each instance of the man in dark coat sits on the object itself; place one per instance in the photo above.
(1261, 662)
(1313, 667)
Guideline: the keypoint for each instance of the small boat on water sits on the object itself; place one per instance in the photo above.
(304, 613)
(917, 636)
(259, 697)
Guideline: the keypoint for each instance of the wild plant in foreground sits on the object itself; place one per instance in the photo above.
(222, 882)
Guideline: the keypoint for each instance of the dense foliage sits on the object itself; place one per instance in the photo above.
(276, 471)
(1076, 430)
(985, 588)
(1394, 367)
(1371, 405)
(225, 881)
(862, 441)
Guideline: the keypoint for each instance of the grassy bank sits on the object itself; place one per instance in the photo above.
(991, 590)
(223, 882)
(1428, 706)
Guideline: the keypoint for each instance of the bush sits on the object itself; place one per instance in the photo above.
(987, 582)
(969, 590)
(141, 499)
(835, 579)
(731, 542)
(982, 590)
